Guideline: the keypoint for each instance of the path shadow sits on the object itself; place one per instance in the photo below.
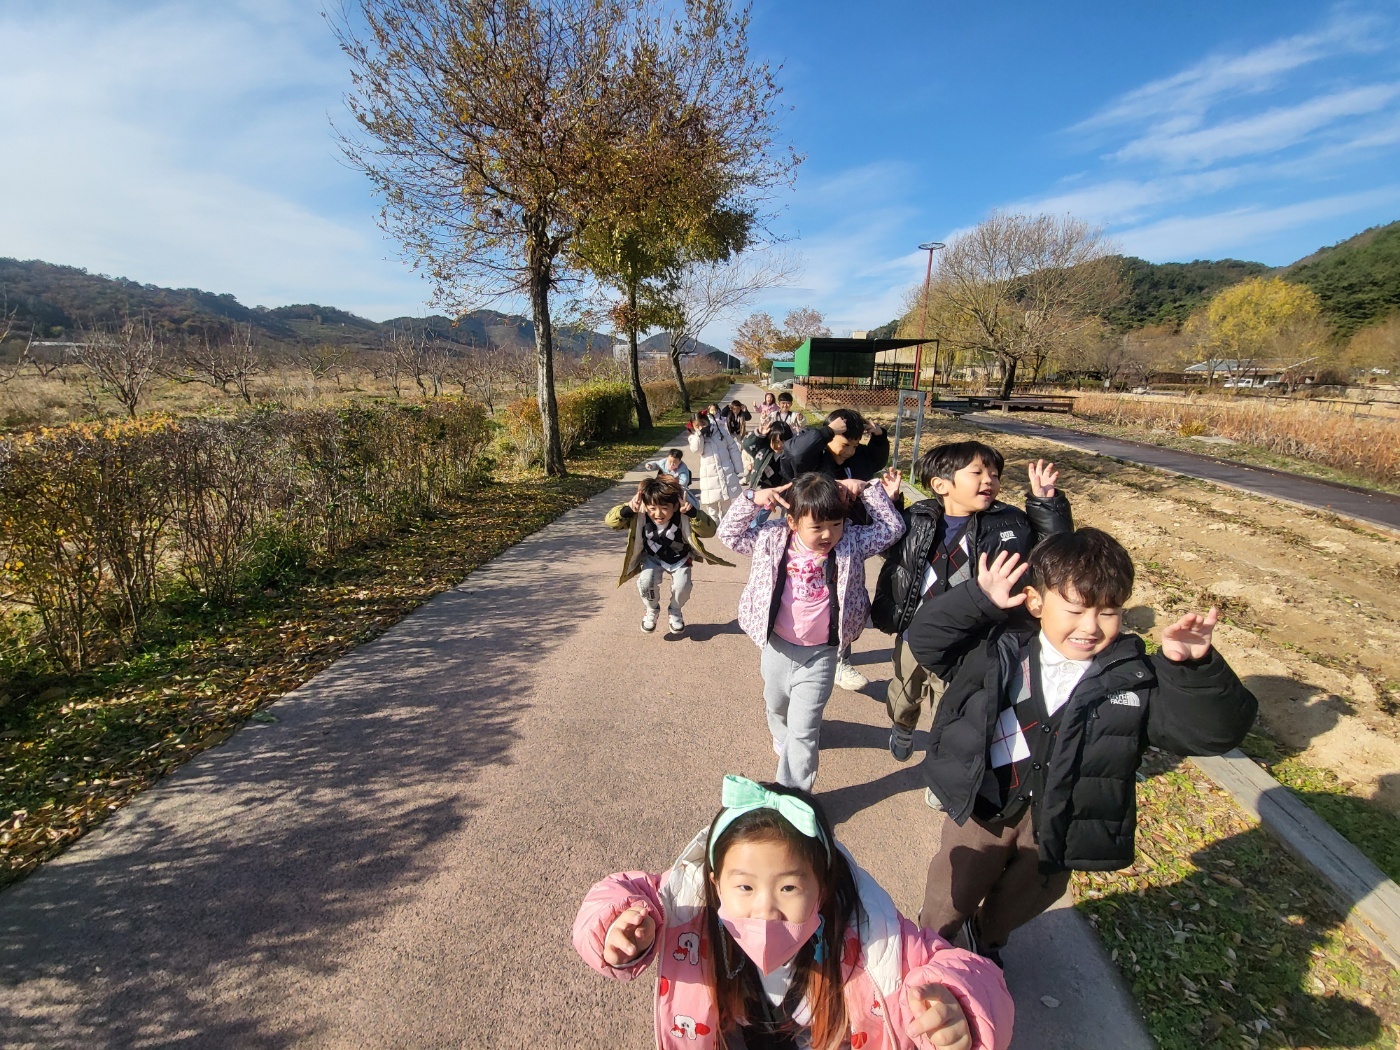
(873, 656)
(254, 861)
(838, 733)
(843, 803)
(703, 632)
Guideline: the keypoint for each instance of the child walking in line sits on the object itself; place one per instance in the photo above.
(943, 539)
(721, 469)
(1035, 747)
(787, 414)
(664, 537)
(767, 935)
(673, 464)
(806, 598)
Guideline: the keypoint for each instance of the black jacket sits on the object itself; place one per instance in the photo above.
(758, 446)
(807, 453)
(1000, 527)
(1084, 802)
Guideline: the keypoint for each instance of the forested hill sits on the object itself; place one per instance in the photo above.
(58, 302)
(1358, 281)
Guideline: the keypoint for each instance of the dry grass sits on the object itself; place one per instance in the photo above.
(1364, 447)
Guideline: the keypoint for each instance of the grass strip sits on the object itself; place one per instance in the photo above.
(75, 748)
(1225, 940)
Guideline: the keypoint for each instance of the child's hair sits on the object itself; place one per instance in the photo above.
(660, 491)
(780, 430)
(1088, 562)
(785, 396)
(855, 422)
(943, 461)
(769, 399)
(817, 495)
(675, 454)
(840, 902)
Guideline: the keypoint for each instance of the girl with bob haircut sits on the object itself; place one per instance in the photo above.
(767, 934)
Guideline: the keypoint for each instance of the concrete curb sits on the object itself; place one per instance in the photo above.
(1370, 900)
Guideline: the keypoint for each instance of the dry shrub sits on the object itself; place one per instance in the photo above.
(1368, 447)
(98, 518)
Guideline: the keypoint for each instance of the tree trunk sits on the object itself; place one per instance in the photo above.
(1008, 376)
(676, 340)
(540, 266)
(639, 396)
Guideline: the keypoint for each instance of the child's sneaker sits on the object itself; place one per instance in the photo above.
(677, 623)
(901, 742)
(649, 620)
(932, 801)
(847, 677)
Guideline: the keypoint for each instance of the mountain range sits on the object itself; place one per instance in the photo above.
(59, 302)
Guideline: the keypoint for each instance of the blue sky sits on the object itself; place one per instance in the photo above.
(189, 143)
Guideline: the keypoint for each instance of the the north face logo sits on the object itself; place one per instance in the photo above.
(1008, 535)
(1125, 700)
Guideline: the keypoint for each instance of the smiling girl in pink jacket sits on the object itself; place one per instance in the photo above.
(766, 934)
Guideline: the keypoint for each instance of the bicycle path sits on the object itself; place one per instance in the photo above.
(1375, 508)
(397, 859)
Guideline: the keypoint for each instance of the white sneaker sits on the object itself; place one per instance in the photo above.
(677, 623)
(932, 800)
(649, 620)
(847, 677)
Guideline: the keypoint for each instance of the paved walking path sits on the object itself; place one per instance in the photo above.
(1376, 508)
(396, 861)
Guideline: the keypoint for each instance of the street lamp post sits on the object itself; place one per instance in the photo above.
(930, 247)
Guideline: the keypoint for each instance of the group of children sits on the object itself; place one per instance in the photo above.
(1008, 626)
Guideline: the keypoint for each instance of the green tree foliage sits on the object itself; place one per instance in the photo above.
(1358, 280)
(1169, 293)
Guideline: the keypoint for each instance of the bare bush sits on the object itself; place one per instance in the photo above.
(122, 361)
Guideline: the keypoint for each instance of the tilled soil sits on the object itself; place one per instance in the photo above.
(1311, 619)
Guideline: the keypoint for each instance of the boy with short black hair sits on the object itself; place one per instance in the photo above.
(943, 537)
(666, 528)
(1035, 747)
(787, 414)
(673, 464)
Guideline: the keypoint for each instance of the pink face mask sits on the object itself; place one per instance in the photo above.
(770, 942)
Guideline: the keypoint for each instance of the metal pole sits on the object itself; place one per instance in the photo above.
(930, 247)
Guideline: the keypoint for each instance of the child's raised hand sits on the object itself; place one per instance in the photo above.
(767, 499)
(686, 506)
(1043, 477)
(998, 580)
(630, 935)
(1189, 638)
(938, 1017)
(891, 480)
(635, 504)
(851, 488)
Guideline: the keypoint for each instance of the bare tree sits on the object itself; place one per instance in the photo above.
(234, 360)
(10, 370)
(322, 360)
(122, 361)
(1017, 286)
(493, 127)
(706, 292)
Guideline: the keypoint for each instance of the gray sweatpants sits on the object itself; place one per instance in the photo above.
(797, 683)
(649, 584)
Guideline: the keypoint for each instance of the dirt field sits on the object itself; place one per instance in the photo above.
(1310, 603)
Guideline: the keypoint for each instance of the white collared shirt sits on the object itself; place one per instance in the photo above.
(1058, 675)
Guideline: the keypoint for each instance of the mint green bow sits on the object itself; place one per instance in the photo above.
(740, 795)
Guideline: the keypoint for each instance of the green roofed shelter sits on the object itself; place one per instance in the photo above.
(829, 361)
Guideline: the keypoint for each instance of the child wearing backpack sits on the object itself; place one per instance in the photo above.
(664, 538)
(943, 538)
(1035, 746)
(765, 933)
(806, 600)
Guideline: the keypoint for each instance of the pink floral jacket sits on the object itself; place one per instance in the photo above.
(884, 955)
(766, 544)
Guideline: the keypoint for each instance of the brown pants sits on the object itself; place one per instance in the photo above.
(910, 687)
(991, 871)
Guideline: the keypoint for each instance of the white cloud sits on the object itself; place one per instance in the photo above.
(191, 147)
(1267, 132)
(1201, 236)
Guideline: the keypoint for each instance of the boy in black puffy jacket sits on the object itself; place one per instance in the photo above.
(1035, 746)
(943, 538)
